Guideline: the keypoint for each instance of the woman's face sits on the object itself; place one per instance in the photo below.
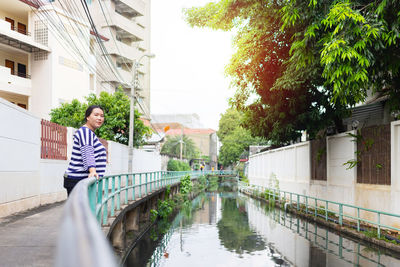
(96, 119)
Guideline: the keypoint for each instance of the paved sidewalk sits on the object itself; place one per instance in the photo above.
(30, 238)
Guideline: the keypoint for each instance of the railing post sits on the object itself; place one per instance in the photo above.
(99, 198)
(146, 182)
(341, 214)
(92, 197)
(140, 185)
(306, 205)
(151, 181)
(358, 219)
(379, 225)
(326, 210)
(126, 186)
(105, 206)
(113, 195)
(316, 208)
(119, 193)
(133, 186)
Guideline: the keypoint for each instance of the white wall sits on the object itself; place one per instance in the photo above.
(29, 181)
(19, 155)
(143, 161)
(291, 165)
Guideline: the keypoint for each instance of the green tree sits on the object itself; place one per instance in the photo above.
(234, 138)
(234, 145)
(228, 122)
(173, 147)
(116, 117)
(306, 62)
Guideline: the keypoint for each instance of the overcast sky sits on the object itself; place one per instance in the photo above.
(187, 74)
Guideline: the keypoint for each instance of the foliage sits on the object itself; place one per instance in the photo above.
(165, 208)
(366, 145)
(153, 215)
(172, 147)
(299, 65)
(234, 138)
(177, 165)
(186, 185)
(116, 117)
(228, 122)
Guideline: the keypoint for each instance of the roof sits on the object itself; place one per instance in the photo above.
(188, 131)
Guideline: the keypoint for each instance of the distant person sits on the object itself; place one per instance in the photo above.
(201, 167)
(221, 169)
(89, 156)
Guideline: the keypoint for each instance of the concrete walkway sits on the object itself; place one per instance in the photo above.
(30, 238)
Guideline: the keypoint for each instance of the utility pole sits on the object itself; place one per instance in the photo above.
(181, 142)
(134, 85)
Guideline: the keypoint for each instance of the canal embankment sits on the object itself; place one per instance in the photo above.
(330, 219)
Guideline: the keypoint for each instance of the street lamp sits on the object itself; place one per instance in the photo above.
(136, 65)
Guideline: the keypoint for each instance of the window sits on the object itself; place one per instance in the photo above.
(21, 70)
(10, 65)
(21, 28)
(11, 21)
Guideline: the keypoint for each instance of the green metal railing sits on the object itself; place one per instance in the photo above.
(323, 208)
(330, 244)
(109, 193)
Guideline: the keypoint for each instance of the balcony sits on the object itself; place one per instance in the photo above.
(123, 51)
(17, 83)
(19, 39)
(125, 75)
(125, 28)
(130, 8)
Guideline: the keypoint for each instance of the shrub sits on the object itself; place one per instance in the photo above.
(177, 165)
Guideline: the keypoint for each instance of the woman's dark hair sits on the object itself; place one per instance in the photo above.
(89, 110)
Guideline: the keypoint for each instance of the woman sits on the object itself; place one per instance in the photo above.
(88, 154)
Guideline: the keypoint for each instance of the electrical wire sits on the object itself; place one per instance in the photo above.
(65, 37)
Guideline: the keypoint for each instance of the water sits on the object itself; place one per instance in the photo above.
(230, 229)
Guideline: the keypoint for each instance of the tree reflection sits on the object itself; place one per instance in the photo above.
(234, 230)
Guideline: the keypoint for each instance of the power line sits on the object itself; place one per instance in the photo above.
(65, 36)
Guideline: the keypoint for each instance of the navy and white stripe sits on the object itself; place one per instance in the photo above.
(87, 152)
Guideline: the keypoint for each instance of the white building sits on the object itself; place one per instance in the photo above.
(126, 23)
(39, 69)
(49, 54)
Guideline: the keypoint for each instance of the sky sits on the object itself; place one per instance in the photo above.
(187, 74)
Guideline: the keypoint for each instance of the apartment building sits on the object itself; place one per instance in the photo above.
(126, 23)
(40, 69)
(47, 56)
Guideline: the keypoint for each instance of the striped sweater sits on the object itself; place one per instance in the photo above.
(87, 152)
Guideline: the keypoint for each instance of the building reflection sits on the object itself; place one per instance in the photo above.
(305, 243)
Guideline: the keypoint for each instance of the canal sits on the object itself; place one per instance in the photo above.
(227, 228)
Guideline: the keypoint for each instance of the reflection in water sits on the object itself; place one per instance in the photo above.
(234, 230)
(227, 229)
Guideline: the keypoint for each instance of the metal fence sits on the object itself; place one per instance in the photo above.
(81, 240)
(108, 194)
(53, 141)
(322, 208)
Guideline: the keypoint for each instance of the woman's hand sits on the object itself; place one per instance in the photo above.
(93, 173)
